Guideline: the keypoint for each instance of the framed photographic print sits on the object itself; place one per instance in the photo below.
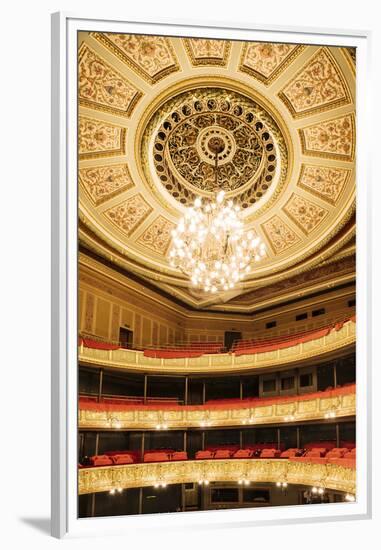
(210, 275)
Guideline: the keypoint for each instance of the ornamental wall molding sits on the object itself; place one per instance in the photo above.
(330, 476)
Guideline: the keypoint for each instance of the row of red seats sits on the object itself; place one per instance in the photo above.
(345, 456)
(255, 345)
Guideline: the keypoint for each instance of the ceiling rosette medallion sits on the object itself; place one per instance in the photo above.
(175, 145)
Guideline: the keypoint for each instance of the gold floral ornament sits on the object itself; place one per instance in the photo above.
(265, 61)
(105, 182)
(205, 51)
(334, 138)
(158, 235)
(307, 215)
(152, 57)
(325, 183)
(99, 139)
(129, 214)
(318, 85)
(101, 87)
(279, 234)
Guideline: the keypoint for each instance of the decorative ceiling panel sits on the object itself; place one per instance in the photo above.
(99, 139)
(129, 214)
(318, 86)
(279, 234)
(265, 61)
(105, 182)
(325, 183)
(101, 87)
(152, 57)
(204, 51)
(158, 235)
(332, 139)
(304, 213)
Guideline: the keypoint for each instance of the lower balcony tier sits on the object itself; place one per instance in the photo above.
(109, 414)
(312, 472)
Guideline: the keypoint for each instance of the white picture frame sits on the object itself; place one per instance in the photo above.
(64, 277)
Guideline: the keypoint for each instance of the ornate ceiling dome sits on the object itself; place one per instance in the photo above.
(178, 152)
(284, 117)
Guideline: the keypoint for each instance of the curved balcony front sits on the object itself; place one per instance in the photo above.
(336, 403)
(336, 341)
(330, 476)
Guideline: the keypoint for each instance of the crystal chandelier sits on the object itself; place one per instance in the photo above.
(210, 245)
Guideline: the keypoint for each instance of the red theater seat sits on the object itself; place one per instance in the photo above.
(156, 456)
(243, 453)
(223, 453)
(101, 460)
(269, 453)
(204, 455)
(179, 455)
(123, 459)
(337, 452)
(290, 452)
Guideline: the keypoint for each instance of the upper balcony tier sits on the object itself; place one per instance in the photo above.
(295, 349)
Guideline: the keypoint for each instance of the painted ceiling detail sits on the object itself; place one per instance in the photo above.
(129, 214)
(204, 51)
(334, 138)
(183, 161)
(306, 214)
(325, 183)
(102, 87)
(152, 57)
(279, 234)
(265, 61)
(99, 139)
(105, 182)
(149, 107)
(158, 235)
(319, 85)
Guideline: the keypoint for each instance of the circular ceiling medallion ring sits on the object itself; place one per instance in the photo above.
(234, 108)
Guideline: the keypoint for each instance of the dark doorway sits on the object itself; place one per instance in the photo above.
(126, 337)
(230, 337)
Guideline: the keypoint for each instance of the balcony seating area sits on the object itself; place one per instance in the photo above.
(324, 453)
(122, 403)
(184, 349)
(261, 345)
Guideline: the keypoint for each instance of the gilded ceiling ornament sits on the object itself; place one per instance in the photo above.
(334, 138)
(205, 51)
(265, 61)
(279, 234)
(184, 164)
(318, 85)
(306, 214)
(99, 139)
(102, 87)
(325, 183)
(105, 182)
(129, 214)
(158, 235)
(151, 57)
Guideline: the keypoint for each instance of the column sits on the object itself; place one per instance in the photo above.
(186, 391)
(100, 387)
(145, 388)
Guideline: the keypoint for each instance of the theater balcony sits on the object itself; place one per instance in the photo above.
(324, 342)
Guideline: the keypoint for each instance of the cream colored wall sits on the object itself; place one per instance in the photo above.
(108, 301)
